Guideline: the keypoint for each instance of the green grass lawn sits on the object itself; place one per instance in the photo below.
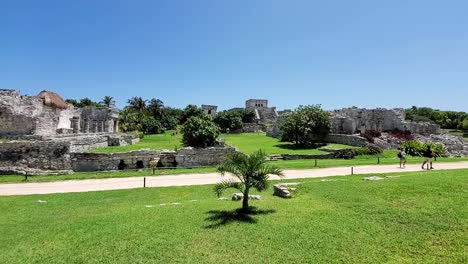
(417, 218)
(247, 143)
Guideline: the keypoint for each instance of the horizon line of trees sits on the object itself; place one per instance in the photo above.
(445, 119)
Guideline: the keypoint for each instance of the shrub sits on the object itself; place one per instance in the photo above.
(345, 154)
(151, 126)
(306, 126)
(199, 132)
(465, 124)
(374, 150)
(416, 148)
(228, 121)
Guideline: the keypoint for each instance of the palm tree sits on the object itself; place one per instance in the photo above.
(108, 101)
(156, 108)
(251, 172)
(137, 103)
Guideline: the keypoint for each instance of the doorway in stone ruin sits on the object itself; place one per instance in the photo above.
(139, 164)
(122, 165)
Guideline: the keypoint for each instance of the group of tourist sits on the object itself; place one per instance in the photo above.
(428, 158)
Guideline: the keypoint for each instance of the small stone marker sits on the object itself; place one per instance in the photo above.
(223, 199)
(40, 201)
(162, 204)
(149, 206)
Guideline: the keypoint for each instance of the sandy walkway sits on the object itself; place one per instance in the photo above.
(194, 179)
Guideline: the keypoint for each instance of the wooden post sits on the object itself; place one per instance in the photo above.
(352, 171)
(315, 162)
(144, 182)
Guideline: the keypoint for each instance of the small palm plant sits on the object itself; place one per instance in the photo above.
(252, 172)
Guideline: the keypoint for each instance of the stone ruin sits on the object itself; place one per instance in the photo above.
(43, 132)
(356, 120)
(47, 115)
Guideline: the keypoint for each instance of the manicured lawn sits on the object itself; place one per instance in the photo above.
(415, 218)
(246, 143)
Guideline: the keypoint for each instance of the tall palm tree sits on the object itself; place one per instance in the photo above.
(156, 108)
(251, 172)
(137, 103)
(108, 101)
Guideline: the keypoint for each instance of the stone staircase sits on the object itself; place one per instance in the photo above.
(268, 114)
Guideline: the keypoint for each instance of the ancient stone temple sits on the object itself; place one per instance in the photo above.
(48, 114)
(263, 113)
(210, 110)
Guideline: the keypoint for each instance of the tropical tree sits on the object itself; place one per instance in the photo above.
(199, 132)
(305, 126)
(137, 104)
(191, 111)
(156, 108)
(251, 172)
(108, 101)
(228, 121)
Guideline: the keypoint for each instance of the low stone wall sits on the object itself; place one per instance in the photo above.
(351, 140)
(44, 155)
(306, 156)
(113, 161)
(184, 158)
(193, 157)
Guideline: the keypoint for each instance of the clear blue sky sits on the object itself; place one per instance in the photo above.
(369, 53)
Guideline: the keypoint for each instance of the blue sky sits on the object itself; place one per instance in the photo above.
(335, 53)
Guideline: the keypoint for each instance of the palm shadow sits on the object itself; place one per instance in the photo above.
(220, 218)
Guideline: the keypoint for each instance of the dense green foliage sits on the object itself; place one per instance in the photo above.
(190, 111)
(151, 126)
(305, 126)
(228, 121)
(252, 172)
(416, 218)
(416, 148)
(199, 132)
(446, 119)
(465, 124)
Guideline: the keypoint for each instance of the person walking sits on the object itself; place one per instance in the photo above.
(402, 156)
(428, 156)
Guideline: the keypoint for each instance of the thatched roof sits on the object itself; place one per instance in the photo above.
(52, 99)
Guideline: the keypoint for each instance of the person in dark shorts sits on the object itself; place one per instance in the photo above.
(428, 156)
(402, 156)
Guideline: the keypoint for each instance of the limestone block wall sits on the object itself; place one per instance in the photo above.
(193, 157)
(45, 155)
(113, 161)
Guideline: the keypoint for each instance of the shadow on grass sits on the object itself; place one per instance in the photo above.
(220, 218)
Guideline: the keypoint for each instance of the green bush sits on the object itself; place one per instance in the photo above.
(345, 154)
(465, 124)
(305, 126)
(151, 126)
(416, 148)
(228, 121)
(199, 132)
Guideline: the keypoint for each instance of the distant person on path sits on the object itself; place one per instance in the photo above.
(428, 155)
(402, 156)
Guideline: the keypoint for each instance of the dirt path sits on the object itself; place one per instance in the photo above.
(195, 179)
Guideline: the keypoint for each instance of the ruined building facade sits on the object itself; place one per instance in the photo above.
(356, 120)
(47, 114)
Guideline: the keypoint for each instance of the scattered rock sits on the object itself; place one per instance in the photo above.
(149, 206)
(237, 196)
(40, 201)
(255, 197)
(176, 203)
(223, 199)
(162, 204)
(284, 190)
